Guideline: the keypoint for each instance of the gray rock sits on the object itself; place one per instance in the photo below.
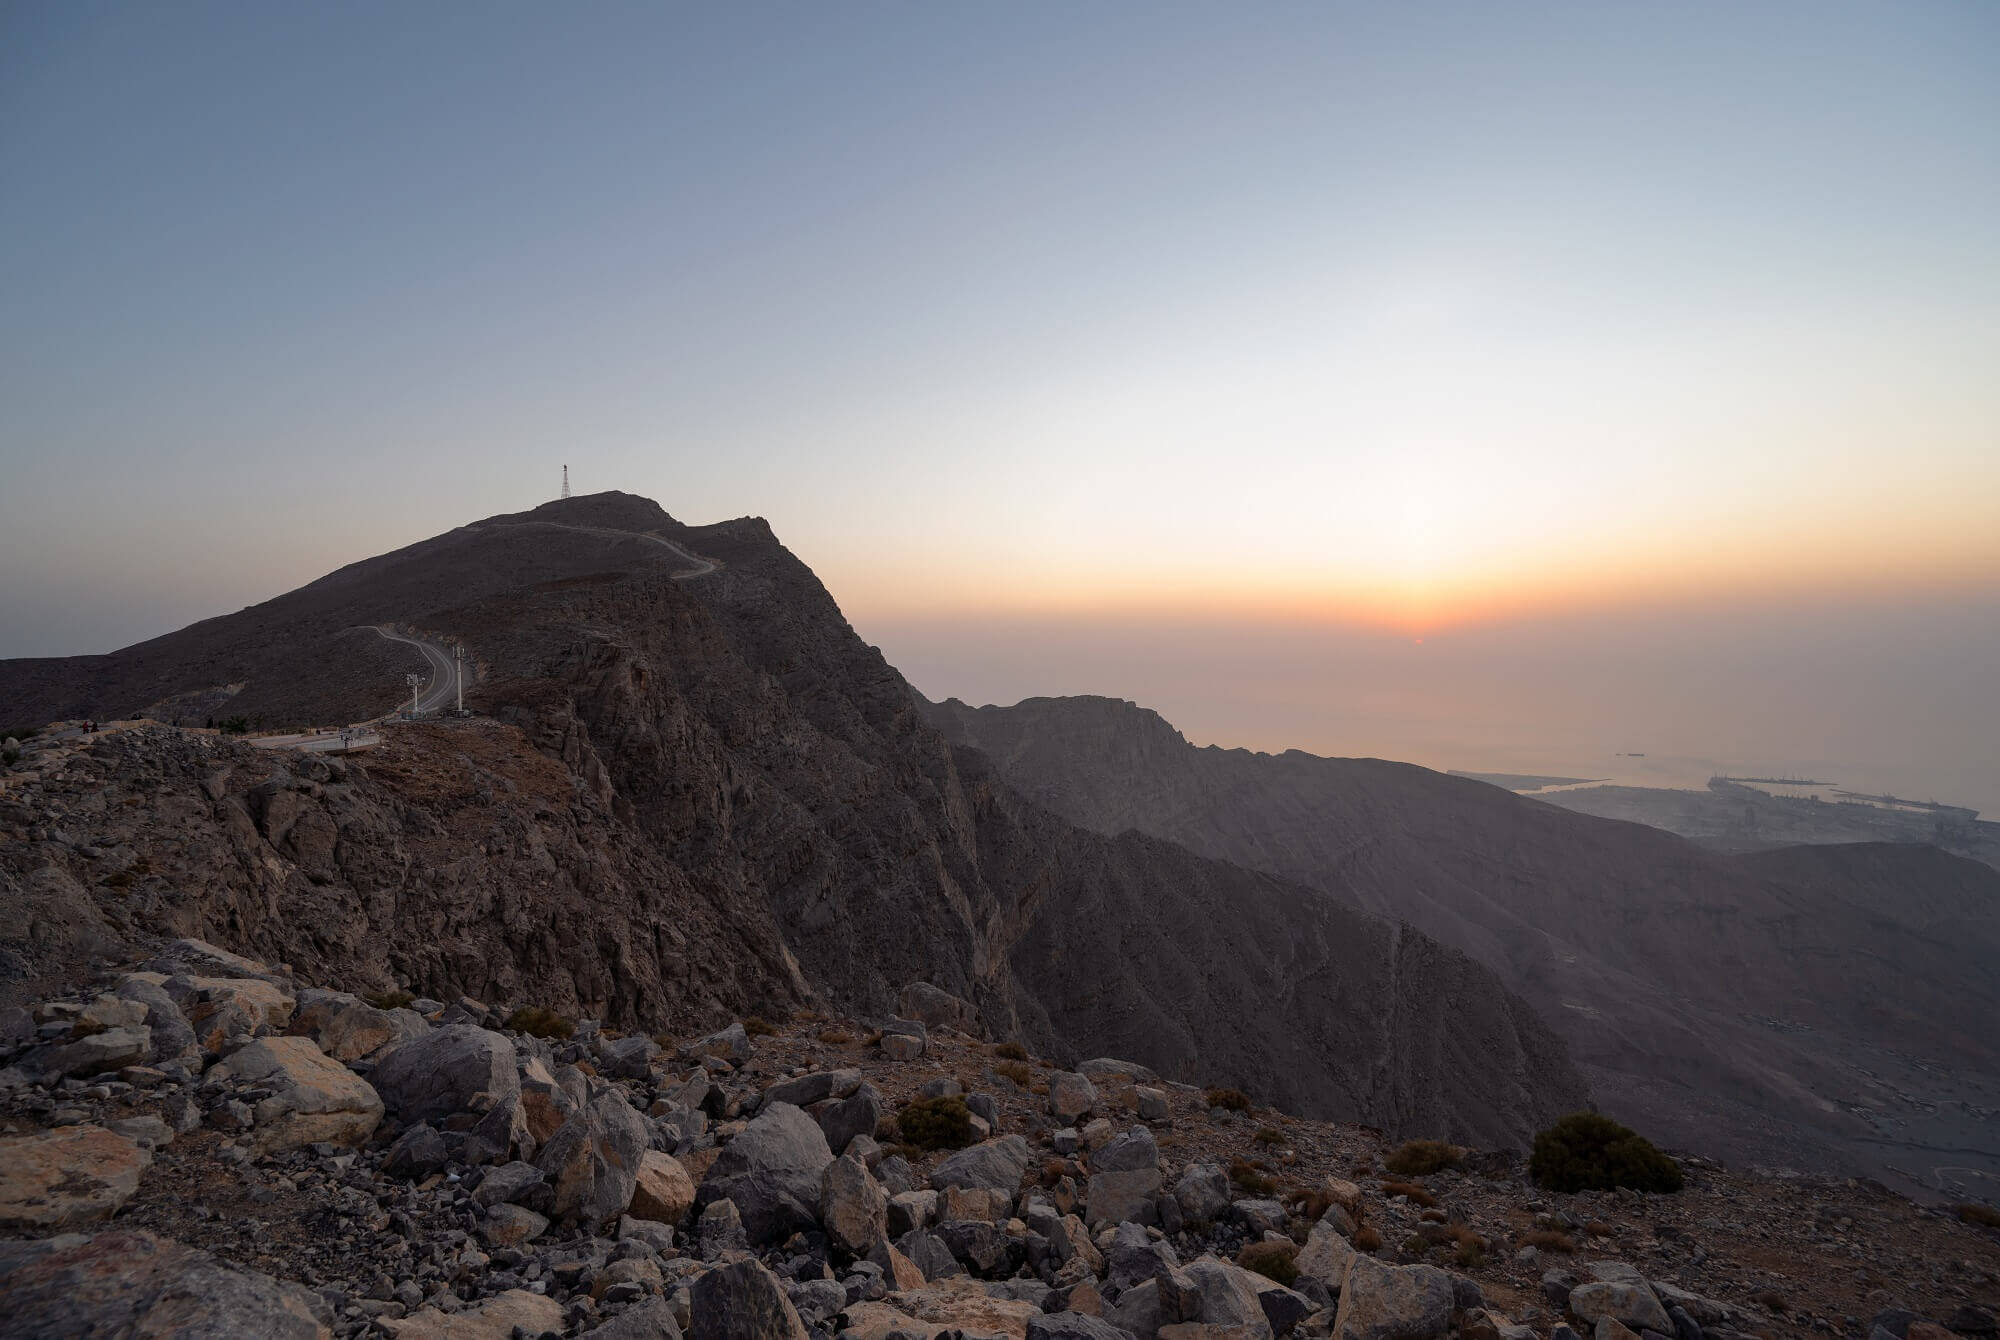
(732, 1044)
(743, 1301)
(507, 1182)
(1384, 1302)
(843, 1120)
(130, 1283)
(1258, 1216)
(113, 1049)
(929, 1254)
(417, 1153)
(805, 1090)
(1074, 1326)
(1138, 1310)
(905, 1046)
(173, 1036)
(719, 1230)
(652, 1319)
(1133, 1151)
(1070, 1096)
(817, 1301)
(910, 1210)
(997, 1165)
(431, 1077)
(628, 1058)
(1229, 1297)
(853, 1209)
(985, 1248)
(1629, 1304)
(934, 1007)
(1125, 1179)
(1134, 1256)
(1326, 1255)
(1283, 1308)
(592, 1163)
(772, 1171)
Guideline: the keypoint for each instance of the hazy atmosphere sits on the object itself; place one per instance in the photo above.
(1000, 671)
(1487, 387)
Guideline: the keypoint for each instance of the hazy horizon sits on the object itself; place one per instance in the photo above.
(1466, 386)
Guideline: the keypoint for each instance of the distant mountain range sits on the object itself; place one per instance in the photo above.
(1836, 1006)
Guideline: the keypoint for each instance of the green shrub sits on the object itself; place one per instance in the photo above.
(1273, 1260)
(390, 1000)
(235, 726)
(1230, 1100)
(1421, 1158)
(936, 1123)
(1269, 1135)
(541, 1023)
(1588, 1152)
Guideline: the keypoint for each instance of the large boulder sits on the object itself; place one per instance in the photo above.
(904, 1040)
(843, 1119)
(772, 1171)
(664, 1192)
(112, 1049)
(1326, 1255)
(1229, 1297)
(934, 1007)
(852, 1206)
(994, 1164)
(360, 1030)
(1385, 1302)
(501, 1317)
(431, 1077)
(1202, 1193)
(122, 1283)
(1124, 1179)
(805, 1090)
(742, 1301)
(1070, 1096)
(1074, 1326)
(312, 1097)
(173, 1036)
(592, 1163)
(223, 1010)
(60, 1179)
(1626, 1301)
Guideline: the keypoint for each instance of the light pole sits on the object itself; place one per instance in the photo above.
(458, 674)
(413, 681)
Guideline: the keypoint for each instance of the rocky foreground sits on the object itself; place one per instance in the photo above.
(199, 1145)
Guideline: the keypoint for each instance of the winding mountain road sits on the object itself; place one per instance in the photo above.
(442, 691)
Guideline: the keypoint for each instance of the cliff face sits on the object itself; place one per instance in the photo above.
(697, 795)
(1807, 1006)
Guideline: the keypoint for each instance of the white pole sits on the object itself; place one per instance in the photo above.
(458, 658)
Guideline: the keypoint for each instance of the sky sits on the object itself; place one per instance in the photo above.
(1468, 383)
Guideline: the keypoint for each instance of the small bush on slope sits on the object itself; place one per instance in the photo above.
(1588, 1152)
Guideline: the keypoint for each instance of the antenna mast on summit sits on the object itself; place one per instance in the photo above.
(565, 481)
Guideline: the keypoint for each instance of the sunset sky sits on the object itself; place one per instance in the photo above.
(1449, 381)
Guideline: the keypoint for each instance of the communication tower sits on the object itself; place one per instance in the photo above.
(565, 481)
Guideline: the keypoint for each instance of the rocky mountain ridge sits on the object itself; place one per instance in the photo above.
(691, 797)
(1830, 1007)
